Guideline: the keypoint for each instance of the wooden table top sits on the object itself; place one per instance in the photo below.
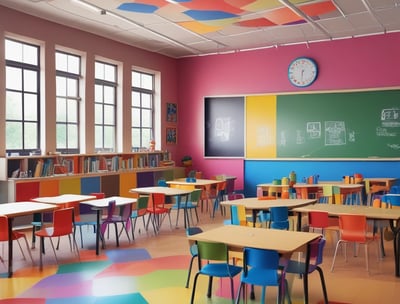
(336, 210)
(157, 189)
(260, 204)
(198, 182)
(103, 202)
(64, 198)
(24, 208)
(283, 241)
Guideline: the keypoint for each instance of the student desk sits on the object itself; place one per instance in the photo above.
(255, 204)
(12, 210)
(283, 241)
(100, 204)
(392, 215)
(179, 193)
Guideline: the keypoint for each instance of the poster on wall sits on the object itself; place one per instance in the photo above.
(171, 136)
(172, 113)
(224, 127)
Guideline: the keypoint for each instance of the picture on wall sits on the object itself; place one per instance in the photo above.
(171, 135)
(172, 112)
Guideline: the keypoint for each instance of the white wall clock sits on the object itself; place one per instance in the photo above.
(302, 71)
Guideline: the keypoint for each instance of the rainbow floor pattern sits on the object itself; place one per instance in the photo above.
(115, 277)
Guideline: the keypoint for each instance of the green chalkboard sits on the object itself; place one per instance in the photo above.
(339, 125)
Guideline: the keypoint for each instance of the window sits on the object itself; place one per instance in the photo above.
(105, 106)
(22, 97)
(68, 72)
(142, 109)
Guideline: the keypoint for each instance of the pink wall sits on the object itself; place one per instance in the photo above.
(360, 63)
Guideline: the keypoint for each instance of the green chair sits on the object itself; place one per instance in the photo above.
(214, 262)
(140, 211)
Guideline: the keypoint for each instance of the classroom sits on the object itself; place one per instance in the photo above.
(218, 114)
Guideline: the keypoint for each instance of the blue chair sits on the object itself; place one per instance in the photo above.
(316, 258)
(392, 200)
(214, 262)
(261, 268)
(193, 250)
(279, 218)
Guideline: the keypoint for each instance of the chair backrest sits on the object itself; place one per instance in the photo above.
(238, 215)
(195, 195)
(317, 251)
(211, 251)
(394, 190)
(391, 200)
(141, 205)
(279, 218)
(262, 259)
(318, 219)
(110, 209)
(3, 228)
(353, 227)
(235, 196)
(156, 201)
(192, 231)
(63, 221)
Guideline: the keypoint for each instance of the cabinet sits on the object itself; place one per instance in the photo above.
(25, 177)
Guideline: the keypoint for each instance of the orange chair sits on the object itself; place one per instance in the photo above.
(157, 211)
(15, 236)
(63, 223)
(354, 229)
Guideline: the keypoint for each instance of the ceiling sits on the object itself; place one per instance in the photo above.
(184, 28)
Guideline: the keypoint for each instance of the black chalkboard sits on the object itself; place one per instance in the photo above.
(339, 125)
(224, 127)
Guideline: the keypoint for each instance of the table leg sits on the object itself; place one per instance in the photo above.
(396, 246)
(98, 211)
(41, 246)
(10, 248)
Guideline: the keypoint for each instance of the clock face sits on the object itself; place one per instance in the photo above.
(302, 71)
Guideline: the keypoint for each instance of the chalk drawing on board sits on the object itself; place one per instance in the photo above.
(351, 136)
(282, 138)
(263, 136)
(335, 133)
(314, 129)
(394, 146)
(390, 118)
(300, 137)
(384, 132)
(222, 128)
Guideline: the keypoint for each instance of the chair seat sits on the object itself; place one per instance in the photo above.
(261, 277)
(220, 270)
(299, 267)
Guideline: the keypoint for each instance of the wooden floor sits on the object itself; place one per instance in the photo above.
(349, 283)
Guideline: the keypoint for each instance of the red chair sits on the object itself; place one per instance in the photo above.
(157, 211)
(15, 236)
(63, 223)
(319, 220)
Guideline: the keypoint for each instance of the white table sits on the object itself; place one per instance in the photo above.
(102, 203)
(12, 210)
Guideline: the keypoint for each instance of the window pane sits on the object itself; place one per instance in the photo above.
(109, 133)
(147, 81)
(13, 106)
(13, 78)
(61, 110)
(74, 64)
(146, 136)
(98, 136)
(14, 135)
(135, 117)
(136, 138)
(61, 62)
(13, 50)
(98, 117)
(72, 111)
(30, 79)
(99, 70)
(109, 95)
(136, 99)
(30, 110)
(61, 86)
(146, 100)
(110, 73)
(72, 86)
(136, 79)
(98, 93)
(72, 136)
(30, 135)
(146, 119)
(109, 115)
(30, 54)
(61, 136)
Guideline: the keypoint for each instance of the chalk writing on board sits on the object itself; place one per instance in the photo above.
(314, 129)
(282, 139)
(384, 132)
(390, 118)
(300, 137)
(222, 128)
(351, 136)
(394, 146)
(335, 133)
